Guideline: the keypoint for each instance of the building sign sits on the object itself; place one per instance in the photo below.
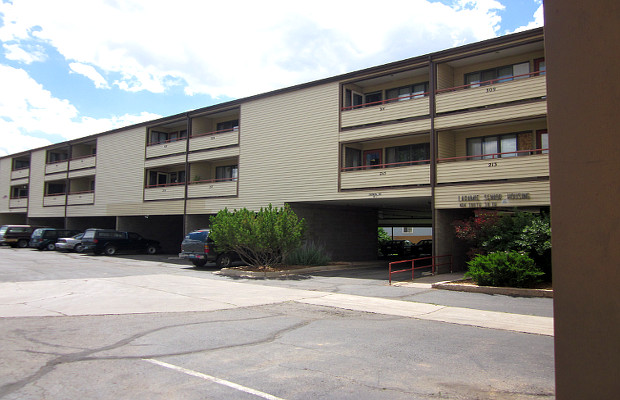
(491, 199)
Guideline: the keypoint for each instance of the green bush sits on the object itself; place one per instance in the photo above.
(309, 253)
(509, 268)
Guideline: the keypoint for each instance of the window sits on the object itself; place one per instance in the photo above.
(542, 141)
(540, 66)
(226, 173)
(373, 98)
(352, 157)
(497, 75)
(55, 188)
(372, 158)
(408, 229)
(19, 192)
(401, 155)
(353, 99)
(489, 146)
(231, 125)
(20, 164)
(407, 92)
(56, 156)
(166, 178)
(163, 137)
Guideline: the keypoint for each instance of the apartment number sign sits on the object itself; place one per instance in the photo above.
(491, 199)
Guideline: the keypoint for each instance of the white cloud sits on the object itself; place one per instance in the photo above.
(28, 111)
(91, 73)
(27, 55)
(239, 48)
(539, 20)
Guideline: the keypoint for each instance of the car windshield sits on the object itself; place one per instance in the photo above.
(88, 235)
(3, 230)
(37, 233)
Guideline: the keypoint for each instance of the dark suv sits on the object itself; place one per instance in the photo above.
(15, 235)
(110, 242)
(397, 248)
(45, 238)
(199, 248)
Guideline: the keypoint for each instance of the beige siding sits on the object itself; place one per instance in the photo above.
(55, 177)
(521, 194)
(499, 114)
(23, 181)
(54, 201)
(164, 193)
(159, 162)
(385, 131)
(445, 76)
(120, 173)
(56, 167)
(386, 177)
(165, 149)
(85, 162)
(212, 189)
(386, 112)
(228, 152)
(445, 144)
(81, 173)
(519, 89)
(5, 183)
(493, 169)
(36, 187)
(81, 198)
(214, 140)
(18, 203)
(20, 173)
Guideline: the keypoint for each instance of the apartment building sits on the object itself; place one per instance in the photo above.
(415, 143)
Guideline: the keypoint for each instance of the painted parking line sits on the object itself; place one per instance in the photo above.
(213, 379)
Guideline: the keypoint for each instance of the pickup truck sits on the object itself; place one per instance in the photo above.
(199, 248)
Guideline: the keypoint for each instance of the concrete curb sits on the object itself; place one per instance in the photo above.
(518, 292)
(240, 273)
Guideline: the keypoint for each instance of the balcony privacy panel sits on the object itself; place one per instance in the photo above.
(385, 112)
(385, 177)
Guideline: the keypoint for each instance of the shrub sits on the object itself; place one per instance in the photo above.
(262, 239)
(508, 268)
(309, 253)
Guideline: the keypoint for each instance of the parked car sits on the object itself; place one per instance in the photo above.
(424, 248)
(73, 243)
(397, 248)
(199, 248)
(46, 238)
(110, 242)
(15, 235)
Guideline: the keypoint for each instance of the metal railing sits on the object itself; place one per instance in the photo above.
(389, 165)
(421, 264)
(491, 82)
(490, 156)
(386, 101)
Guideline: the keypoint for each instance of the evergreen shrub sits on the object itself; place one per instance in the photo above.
(504, 268)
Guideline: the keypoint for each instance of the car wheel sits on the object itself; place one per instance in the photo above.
(110, 250)
(199, 263)
(151, 249)
(224, 261)
(78, 248)
(50, 247)
(22, 244)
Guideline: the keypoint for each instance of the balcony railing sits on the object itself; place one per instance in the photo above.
(213, 188)
(54, 199)
(405, 173)
(386, 101)
(166, 147)
(83, 197)
(87, 161)
(494, 166)
(56, 166)
(417, 105)
(18, 202)
(495, 91)
(165, 191)
(20, 173)
(211, 140)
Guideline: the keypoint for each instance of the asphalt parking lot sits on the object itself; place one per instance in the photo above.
(151, 327)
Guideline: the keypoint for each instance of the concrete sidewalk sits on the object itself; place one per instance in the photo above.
(161, 293)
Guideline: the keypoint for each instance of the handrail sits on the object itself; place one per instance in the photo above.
(165, 185)
(55, 194)
(490, 82)
(493, 155)
(81, 157)
(388, 165)
(82, 192)
(236, 129)
(57, 162)
(18, 198)
(20, 169)
(413, 267)
(392, 100)
(167, 141)
(213, 180)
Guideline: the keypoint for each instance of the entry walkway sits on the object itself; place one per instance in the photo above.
(160, 293)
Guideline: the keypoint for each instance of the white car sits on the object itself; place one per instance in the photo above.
(73, 243)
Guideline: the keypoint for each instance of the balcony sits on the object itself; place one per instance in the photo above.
(165, 191)
(212, 188)
(20, 202)
(215, 139)
(498, 166)
(386, 175)
(54, 167)
(52, 200)
(167, 147)
(497, 91)
(82, 162)
(81, 198)
(20, 173)
(386, 110)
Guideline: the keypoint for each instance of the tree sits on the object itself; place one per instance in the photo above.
(262, 239)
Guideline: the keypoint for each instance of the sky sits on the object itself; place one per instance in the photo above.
(72, 68)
